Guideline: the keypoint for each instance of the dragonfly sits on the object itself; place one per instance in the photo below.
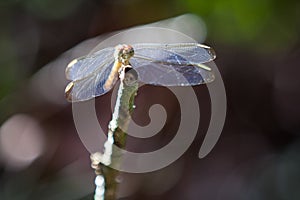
(177, 64)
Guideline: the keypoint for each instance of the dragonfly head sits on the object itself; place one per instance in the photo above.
(123, 53)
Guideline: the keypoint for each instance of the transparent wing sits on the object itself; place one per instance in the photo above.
(157, 64)
(89, 65)
(173, 64)
(91, 86)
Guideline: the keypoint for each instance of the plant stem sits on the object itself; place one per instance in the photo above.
(116, 135)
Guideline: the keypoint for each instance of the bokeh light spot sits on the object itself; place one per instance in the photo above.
(21, 141)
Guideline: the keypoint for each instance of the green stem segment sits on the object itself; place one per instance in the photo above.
(117, 133)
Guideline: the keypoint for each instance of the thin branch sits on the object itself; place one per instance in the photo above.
(107, 187)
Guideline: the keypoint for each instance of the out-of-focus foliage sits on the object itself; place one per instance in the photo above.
(16, 46)
(52, 9)
(47, 9)
(258, 23)
(7, 63)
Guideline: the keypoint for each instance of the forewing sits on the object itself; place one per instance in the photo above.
(91, 86)
(86, 66)
(173, 64)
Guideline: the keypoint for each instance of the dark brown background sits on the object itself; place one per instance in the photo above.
(257, 43)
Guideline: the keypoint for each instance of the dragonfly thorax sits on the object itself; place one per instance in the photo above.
(123, 53)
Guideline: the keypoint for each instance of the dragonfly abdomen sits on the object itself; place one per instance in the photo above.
(112, 76)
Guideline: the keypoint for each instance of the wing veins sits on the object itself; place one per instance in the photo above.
(172, 63)
(108, 61)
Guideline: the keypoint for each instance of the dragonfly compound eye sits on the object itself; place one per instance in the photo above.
(127, 52)
(123, 52)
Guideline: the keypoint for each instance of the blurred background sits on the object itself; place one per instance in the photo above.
(257, 45)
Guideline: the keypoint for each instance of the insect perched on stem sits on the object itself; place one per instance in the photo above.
(179, 64)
